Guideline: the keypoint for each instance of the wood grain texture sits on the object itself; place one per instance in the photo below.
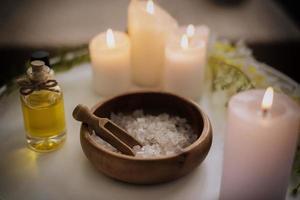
(151, 170)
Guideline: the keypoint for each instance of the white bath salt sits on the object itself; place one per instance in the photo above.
(103, 143)
(160, 135)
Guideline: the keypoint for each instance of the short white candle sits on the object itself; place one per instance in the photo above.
(185, 63)
(201, 32)
(259, 147)
(110, 57)
(148, 27)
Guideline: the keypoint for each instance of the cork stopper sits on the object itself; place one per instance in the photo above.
(37, 65)
(41, 55)
(39, 71)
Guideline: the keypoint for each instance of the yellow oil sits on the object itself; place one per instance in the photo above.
(44, 120)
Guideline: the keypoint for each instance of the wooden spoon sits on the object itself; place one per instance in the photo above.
(107, 130)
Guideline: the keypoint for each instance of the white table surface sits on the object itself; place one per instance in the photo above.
(67, 174)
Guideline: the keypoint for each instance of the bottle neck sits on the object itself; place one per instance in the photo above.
(42, 74)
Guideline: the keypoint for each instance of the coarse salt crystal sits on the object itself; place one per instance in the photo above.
(160, 135)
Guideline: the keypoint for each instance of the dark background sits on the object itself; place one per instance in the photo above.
(280, 54)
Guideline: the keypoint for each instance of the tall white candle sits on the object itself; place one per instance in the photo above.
(110, 57)
(148, 27)
(185, 63)
(259, 146)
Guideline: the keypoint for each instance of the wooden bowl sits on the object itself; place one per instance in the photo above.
(149, 170)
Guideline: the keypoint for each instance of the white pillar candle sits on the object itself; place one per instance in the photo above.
(185, 59)
(148, 27)
(259, 147)
(201, 32)
(110, 57)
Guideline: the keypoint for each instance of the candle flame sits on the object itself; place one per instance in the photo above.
(267, 99)
(110, 39)
(150, 7)
(184, 43)
(190, 31)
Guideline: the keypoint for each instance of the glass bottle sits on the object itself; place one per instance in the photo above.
(43, 109)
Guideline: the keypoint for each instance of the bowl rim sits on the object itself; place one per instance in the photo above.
(206, 131)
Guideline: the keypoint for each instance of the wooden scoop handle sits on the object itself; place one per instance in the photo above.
(83, 114)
